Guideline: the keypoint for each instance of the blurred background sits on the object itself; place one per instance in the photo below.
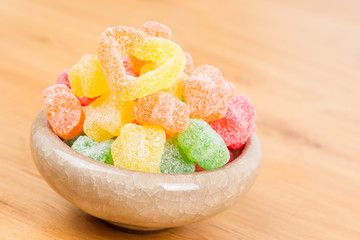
(298, 61)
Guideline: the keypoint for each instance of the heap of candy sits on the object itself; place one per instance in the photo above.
(146, 107)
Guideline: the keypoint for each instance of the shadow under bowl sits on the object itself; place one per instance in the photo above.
(138, 200)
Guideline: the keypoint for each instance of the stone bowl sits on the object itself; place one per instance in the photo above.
(138, 200)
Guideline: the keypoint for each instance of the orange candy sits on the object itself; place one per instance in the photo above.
(206, 93)
(163, 109)
(63, 111)
(155, 29)
(189, 65)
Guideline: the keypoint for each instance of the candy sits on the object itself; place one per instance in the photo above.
(238, 123)
(139, 147)
(206, 93)
(63, 111)
(173, 159)
(203, 145)
(64, 79)
(189, 65)
(100, 151)
(200, 169)
(71, 141)
(232, 90)
(87, 78)
(155, 29)
(163, 109)
(117, 42)
(106, 116)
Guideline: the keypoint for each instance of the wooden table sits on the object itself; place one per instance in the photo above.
(299, 62)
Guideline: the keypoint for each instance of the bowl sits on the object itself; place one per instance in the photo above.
(138, 200)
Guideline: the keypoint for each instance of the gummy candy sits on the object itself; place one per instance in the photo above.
(100, 151)
(155, 29)
(139, 147)
(206, 93)
(201, 144)
(238, 123)
(173, 159)
(200, 169)
(106, 115)
(63, 111)
(189, 65)
(71, 141)
(87, 78)
(63, 78)
(163, 109)
(117, 42)
(232, 90)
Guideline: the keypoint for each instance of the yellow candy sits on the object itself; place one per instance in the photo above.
(118, 42)
(106, 116)
(175, 89)
(87, 78)
(139, 147)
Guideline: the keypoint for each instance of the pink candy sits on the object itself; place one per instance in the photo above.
(238, 124)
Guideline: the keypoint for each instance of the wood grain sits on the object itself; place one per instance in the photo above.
(299, 62)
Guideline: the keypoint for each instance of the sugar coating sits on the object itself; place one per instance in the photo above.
(117, 42)
(70, 142)
(155, 29)
(87, 78)
(206, 93)
(173, 159)
(200, 169)
(100, 151)
(189, 65)
(64, 79)
(139, 147)
(106, 115)
(163, 109)
(201, 144)
(238, 124)
(63, 111)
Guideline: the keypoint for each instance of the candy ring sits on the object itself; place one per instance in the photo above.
(118, 42)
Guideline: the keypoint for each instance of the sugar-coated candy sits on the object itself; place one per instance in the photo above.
(106, 115)
(232, 90)
(63, 111)
(206, 93)
(100, 151)
(64, 79)
(155, 29)
(238, 124)
(173, 160)
(139, 147)
(87, 78)
(117, 42)
(201, 144)
(163, 109)
(189, 65)
(200, 169)
(70, 142)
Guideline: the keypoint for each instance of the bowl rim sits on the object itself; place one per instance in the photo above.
(44, 126)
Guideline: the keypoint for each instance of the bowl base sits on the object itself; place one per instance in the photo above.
(133, 228)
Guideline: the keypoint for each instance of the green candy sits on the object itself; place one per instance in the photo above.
(100, 151)
(203, 145)
(70, 142)
(173, 159)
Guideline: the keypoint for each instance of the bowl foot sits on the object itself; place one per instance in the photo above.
(133, 228)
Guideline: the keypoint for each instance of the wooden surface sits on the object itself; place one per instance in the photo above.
(299, 62)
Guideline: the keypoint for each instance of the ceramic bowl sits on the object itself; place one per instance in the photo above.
(139, 200)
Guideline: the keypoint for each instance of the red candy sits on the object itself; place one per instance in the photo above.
(238, 124)
(63, 78)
